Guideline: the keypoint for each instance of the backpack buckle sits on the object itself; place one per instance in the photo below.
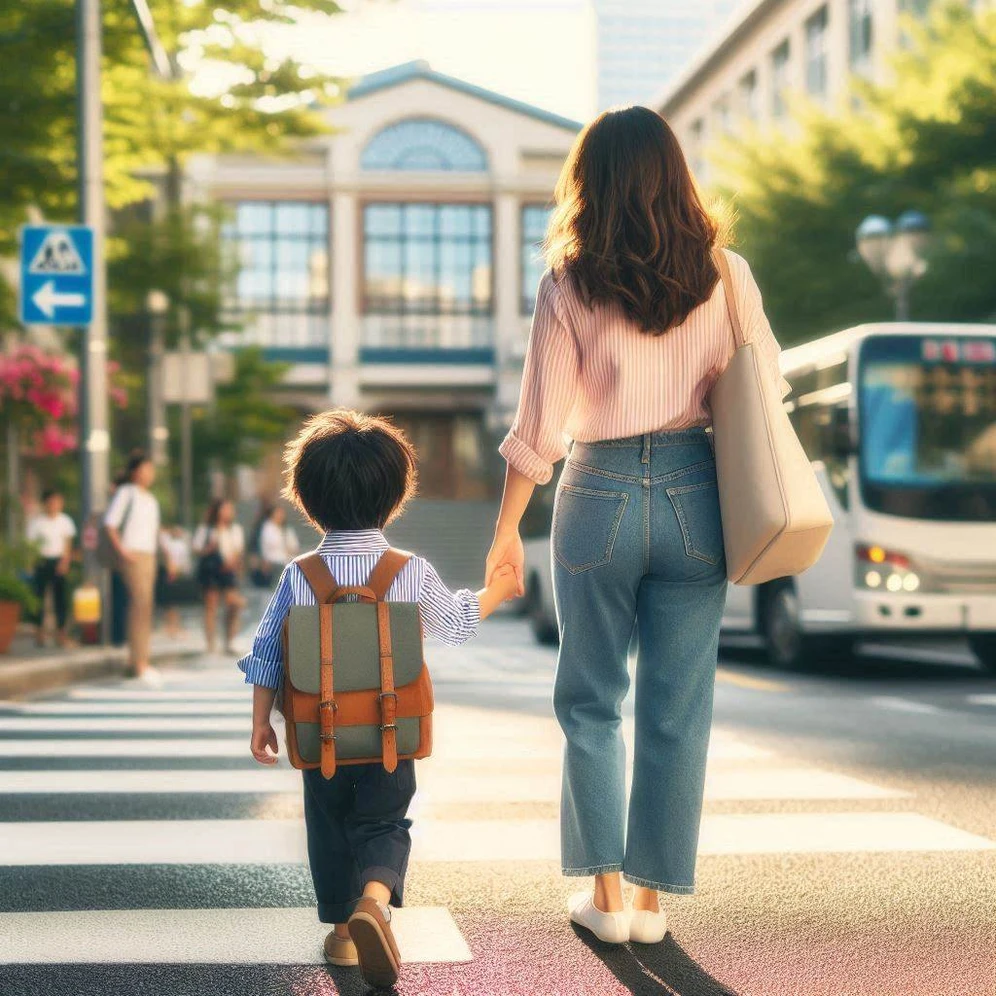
(388, 726)
(329, 704)
(394, 695)
(327, 736)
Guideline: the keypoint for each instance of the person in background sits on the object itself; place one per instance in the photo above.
(220, 544)
(132, 521)
(278, 544)
(119, 591)
(175, 564)
(54, 532)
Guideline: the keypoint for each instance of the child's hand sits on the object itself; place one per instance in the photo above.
(263, 736)
(505, 582)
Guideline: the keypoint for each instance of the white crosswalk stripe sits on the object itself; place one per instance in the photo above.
(92, 744)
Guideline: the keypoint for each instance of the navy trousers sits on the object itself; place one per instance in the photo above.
(358, 832)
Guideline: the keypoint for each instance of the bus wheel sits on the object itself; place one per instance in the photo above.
(984, 647)
(544, 629)
(781, 628)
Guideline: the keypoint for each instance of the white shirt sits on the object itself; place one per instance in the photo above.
(277, 545)
(141, 509)
(230, 539)
(177, 552)
(50, 532)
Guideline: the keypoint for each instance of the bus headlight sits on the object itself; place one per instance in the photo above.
(878, 568)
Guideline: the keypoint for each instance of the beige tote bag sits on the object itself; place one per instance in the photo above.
(775, 518)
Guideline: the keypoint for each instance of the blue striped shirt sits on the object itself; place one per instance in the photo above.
(350, 554)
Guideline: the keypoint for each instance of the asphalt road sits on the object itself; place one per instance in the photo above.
(848, 843)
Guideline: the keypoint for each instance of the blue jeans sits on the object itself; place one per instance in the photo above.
(637, 541)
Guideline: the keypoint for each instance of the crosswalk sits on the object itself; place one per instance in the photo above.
(119, 777)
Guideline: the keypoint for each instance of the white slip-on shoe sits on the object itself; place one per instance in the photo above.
(646, 927)
(613, 928)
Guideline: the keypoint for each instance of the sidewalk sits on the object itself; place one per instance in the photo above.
(27, 669)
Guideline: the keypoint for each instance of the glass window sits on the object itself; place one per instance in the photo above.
(427, 259)
(722, 111)
(779, 78)
(282, 251)
(423, 144)
(535, 218)
(748, 95)
(816, 53)
(859, 15)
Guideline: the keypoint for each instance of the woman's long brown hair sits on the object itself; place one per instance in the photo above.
(629, 224)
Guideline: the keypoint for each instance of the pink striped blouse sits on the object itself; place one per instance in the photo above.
(590, 373)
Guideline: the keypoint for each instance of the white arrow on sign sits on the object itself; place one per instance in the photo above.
(47, 299)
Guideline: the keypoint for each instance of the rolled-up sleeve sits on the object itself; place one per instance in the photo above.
(550, 377)
(264, 664)
(757, 328)
(450, 616)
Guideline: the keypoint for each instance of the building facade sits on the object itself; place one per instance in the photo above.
(773, 48)
(393, 264)
(643, 44)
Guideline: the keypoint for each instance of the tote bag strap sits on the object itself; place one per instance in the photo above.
(726, 279)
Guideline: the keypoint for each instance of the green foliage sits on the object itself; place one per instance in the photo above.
(151, 126)
(926, 140)
(16, 559)
(244, 420)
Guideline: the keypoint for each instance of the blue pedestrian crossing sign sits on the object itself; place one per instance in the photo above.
(56, 275)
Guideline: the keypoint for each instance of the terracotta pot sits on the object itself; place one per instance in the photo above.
(10, 616)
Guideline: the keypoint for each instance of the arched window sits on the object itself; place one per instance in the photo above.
(423, 144)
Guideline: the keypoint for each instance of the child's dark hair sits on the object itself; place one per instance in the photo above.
(348, 470)
(50, 493)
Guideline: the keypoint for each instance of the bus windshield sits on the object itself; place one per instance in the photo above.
(927, 411)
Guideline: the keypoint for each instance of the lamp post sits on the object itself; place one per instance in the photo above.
(895, 253)
(156, 307)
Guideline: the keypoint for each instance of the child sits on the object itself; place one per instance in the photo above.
(351, 474)
(54, 532)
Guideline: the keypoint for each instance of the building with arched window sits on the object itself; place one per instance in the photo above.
(393, 263)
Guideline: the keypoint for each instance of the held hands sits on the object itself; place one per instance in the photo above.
(263, 737)
(506, 550)
(505, 582)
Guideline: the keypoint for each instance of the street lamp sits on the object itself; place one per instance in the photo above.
(156, 306)
(895, 253)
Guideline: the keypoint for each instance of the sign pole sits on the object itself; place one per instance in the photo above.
(94, 421)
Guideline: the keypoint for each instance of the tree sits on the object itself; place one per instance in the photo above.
(151, 125)
(926, 140)
(244, 420)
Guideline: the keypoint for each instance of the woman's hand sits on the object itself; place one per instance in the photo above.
(507, 549)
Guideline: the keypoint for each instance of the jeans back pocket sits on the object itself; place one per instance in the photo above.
(585, 524)
(696, 507)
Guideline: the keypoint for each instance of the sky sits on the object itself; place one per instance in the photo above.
(538, 51)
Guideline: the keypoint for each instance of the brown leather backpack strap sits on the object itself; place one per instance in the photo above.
(326, 704)
(726, 279)
(388, 695)
(365, 594)
(386, 570)
(318, 576)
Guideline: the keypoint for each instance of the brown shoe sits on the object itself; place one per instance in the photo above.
(340, 950)
(370, 929)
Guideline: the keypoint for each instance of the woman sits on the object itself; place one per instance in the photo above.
(53, 531)
(629, 335)
(132, 522)
(278, 544)
(220, 544)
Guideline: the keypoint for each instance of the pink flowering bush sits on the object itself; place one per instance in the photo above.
(38, 395)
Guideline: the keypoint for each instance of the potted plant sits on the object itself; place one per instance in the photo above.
(16, 593)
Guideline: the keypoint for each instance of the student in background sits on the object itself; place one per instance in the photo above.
(132, 522)
(53, 531)
(220, 544)
(278, 544)
(175, 565)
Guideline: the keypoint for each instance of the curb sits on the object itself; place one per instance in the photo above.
(49, 673)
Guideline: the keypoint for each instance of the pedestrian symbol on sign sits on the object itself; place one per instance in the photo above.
(57, 254)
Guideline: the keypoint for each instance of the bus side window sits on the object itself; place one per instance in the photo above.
(818, 430)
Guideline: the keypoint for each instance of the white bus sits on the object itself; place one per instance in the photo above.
(899, 420)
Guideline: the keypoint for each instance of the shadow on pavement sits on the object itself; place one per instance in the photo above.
(664, 969)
